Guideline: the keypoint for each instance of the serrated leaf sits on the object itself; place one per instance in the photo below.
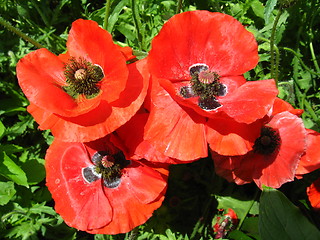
(7, 191)
(11, 170)
(268, 9)
(280, 219)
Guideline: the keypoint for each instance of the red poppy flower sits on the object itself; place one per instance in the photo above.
(310, 160)
(199, 58)
(225, 224)
(98, 189)
(87, 92)
(275, 155)
(313, 192)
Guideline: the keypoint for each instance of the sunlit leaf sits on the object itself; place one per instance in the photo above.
(270, 5)
(11, 170)
(7, 191)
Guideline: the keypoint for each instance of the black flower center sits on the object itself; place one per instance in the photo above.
(268, 142)
(205, 85)
(106, 166)
(82, 78)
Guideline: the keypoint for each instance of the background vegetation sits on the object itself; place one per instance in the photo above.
(289, 44)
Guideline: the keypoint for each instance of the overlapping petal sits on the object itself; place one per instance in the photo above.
(102, 120)
(215, 39)
(93, 207)
(123, 88)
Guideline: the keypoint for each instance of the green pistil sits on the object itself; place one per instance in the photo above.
(83, 78)
(268, 142)
(206, 84)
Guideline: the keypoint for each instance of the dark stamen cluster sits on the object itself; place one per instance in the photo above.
(205, 85)
(106, 166)
(268, 142)
(82, 78)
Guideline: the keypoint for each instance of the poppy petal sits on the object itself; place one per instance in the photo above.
(228, 137)
(131, 135)
(172, 130)
(41, 72)
(141, 192)
(280, 105)
(231, 83)
(251, 101)
(81, 204)
(106, 118)
(215, 39)
(310, 160)
(86, 39)
(293, 142)
(313, 192)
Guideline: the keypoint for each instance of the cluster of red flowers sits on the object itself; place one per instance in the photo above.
(117, 126)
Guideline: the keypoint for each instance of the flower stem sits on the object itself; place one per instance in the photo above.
(19, 33)
(137, 23)
(274, 59)
(107, 13)
(179, 6)
(314, 59)
(302, 63)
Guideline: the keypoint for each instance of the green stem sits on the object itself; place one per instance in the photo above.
(19, 33)
(107, 13)
(137, 22)
(179, 6)
(302, 63)
(314, 57)
(274, 66)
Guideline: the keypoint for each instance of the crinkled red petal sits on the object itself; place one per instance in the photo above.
(40, 76)
(215, 39)
(283, 166)
(173, 89)
(230, 138)
(131, 134)
(173, 131)
(275, 169)
(82, 205)
(105, 118)
(251, 101)
(280, 105)
(310, 160)
(141, 191)
(313, 192)
(87, 40)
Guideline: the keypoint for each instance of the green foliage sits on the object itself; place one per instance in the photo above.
(195, 193)
(280, 219)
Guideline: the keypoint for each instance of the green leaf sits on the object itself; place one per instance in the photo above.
(114, 16)
(34, 170)
(239, 206)
(11, 170)
(268, 9)
(7, 191)
(238, 235)
(280, 219)
(2, 129)
(257, 8)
